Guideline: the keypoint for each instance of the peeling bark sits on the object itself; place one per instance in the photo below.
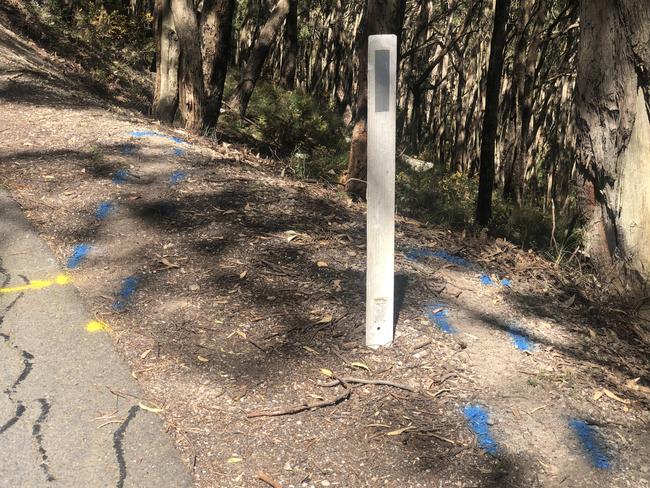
(612, 109)
(168, 52)
(191, 107)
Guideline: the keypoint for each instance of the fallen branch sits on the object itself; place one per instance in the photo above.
(362, 381)
(301, 408)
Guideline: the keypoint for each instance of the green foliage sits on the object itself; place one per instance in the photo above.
(117, 34)
(115, 31)
(436, 196)
(113, 47)
(307, 134)
(450, 199)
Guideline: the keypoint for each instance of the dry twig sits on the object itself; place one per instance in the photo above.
(301, 408)
(266, 478)
(362, 381)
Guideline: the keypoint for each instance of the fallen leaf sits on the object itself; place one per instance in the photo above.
(241, 334)
(326, 319)
(149, 409)
(145, 354)
(439, 392)
(321, 264)
(168, 264)
(400, 431)
(327, 372)
(202, 359)
(615, 397)
(242, 275)
(234, 460)
(634, 385)
(358, 364)
(317, 397)
(597, 396)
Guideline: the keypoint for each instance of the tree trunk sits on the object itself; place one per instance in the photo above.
(168, 52)
(491, 114)
(239, 100)
(613, 123)
(190, 91)
(382, 17)
(514, 176)
(288, 72)
(216, 32)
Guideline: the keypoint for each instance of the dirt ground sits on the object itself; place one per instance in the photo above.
(247, 296)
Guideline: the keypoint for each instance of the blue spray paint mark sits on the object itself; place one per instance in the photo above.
(129, 149)
(177, 177)
(439, 317)
(591, 444)
(144, 133)
(104, 209)
(488, 281)
(121, 176)
(177, 151)
(416, 254)
(520, 339)
(79, 253)
(150, 133)
(129, 286)
(478, 418)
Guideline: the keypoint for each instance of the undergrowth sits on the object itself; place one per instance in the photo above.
(445, 198)
(114, 48)
(296, 128)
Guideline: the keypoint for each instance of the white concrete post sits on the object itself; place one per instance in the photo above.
(382, 69)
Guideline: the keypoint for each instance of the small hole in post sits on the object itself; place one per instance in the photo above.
(378, 328)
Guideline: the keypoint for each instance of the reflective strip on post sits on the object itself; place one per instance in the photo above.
(382, 69)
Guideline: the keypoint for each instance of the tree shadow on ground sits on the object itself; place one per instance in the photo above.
(244, 223)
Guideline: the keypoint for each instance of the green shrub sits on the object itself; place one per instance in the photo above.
(450, 199)
(436, 196)
(307, 134)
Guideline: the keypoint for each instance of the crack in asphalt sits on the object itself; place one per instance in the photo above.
(27, 360)
(38, 436)
(118, 439)
(27, 368)
(20, 410)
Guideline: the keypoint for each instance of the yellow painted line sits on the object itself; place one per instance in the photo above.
(96, 326)
(38, 284)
